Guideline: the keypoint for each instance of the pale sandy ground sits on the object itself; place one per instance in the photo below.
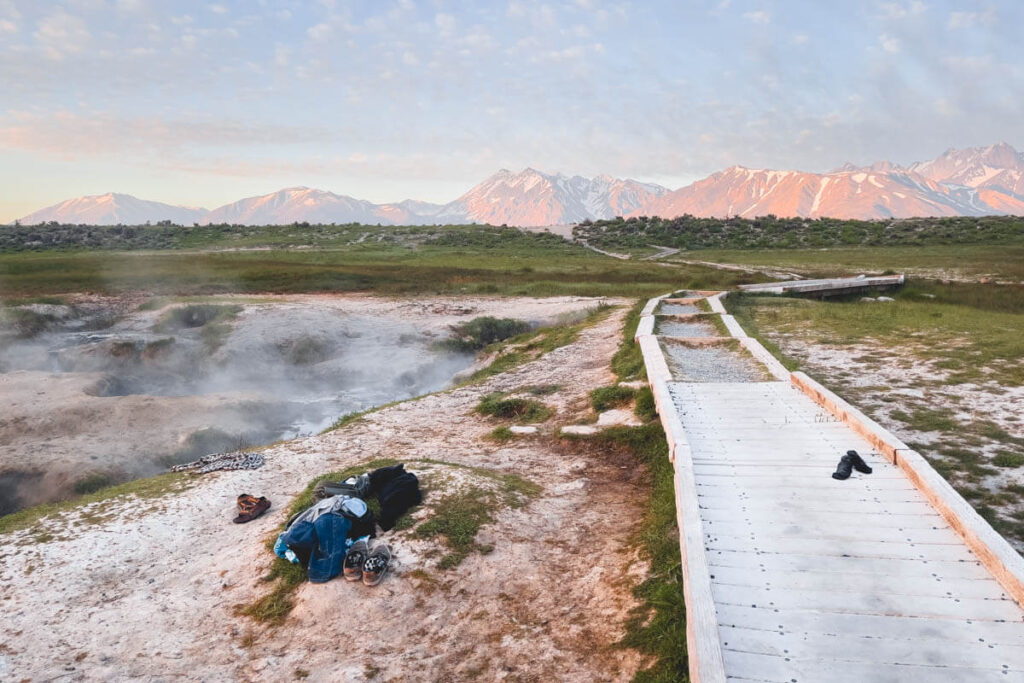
(883, 380)
(50, 425)
(150, 593)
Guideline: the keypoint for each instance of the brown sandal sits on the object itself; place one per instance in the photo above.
(250, 507)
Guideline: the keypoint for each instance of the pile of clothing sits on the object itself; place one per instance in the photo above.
(333, 535)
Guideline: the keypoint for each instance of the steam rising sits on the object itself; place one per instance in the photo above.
(125, 394)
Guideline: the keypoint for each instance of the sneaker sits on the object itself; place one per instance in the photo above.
(352, 567)
(376, 565)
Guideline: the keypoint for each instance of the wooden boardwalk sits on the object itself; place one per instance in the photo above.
(794, 576)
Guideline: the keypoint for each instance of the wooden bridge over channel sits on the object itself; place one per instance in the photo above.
(793, 576)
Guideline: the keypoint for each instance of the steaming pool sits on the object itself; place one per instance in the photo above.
(108, 392)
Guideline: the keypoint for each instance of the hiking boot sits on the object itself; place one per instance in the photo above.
(352, 567)
(858, 462)
(250, 507)
(844, 469)
(376, 565)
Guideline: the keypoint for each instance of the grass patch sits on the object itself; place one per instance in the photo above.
(519, 409)
(457, 518)
(927, 420)
(1008, 459)
(501, 435)
(645, 407)
(393, 260)
(142, 489)
(628, 362)
(479, 333)
(541, 389)
(92, 482)
(606, 398)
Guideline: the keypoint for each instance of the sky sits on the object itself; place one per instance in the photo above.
(203, 103)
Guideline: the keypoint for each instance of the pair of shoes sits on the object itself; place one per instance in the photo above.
(849, 462)
(250, 507)
(368, 565)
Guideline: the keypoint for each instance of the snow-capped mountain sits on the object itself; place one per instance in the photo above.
(112, 209)
(297, 205)
(532, 198)
(969, 182)
(972, 181)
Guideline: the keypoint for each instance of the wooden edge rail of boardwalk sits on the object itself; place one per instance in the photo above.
(790, 575)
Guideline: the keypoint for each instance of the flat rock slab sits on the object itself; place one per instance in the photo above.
(618, 417)
(522, 429)
(582, 430)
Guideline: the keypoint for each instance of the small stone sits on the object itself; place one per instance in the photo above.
(580, 429)
(522, 429)
(865, 299)
(885, 298)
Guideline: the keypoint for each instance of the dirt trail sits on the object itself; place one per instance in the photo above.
(150, 593)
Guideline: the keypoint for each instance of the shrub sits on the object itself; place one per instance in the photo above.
(478, 333)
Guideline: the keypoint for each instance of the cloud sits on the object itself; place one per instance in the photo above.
(759, 17)
(962, 20)
(218, 9)
(890, 44)
(69, 135)
(60, 34)
(320, 32)
(8, 26)
(899, 10)
(445, 24)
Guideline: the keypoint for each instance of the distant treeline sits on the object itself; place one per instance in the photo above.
(165, 235)
(690, 232)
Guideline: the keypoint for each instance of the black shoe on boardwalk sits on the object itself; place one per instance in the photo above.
(844, 469)
(858, 462)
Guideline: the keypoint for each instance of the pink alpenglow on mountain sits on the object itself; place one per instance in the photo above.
(971, 182)
(532, 198)
(113, 209)
(975, 181)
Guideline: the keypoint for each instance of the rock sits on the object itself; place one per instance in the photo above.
(580, 429)
(928, 296)
(865, 299)
(522, 429)
(634, 384)
(885, 298)
(618, 417)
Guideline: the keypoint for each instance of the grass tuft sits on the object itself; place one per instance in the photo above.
(519, 409)
(606, 398)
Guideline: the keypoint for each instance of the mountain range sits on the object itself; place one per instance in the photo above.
(971, 181)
